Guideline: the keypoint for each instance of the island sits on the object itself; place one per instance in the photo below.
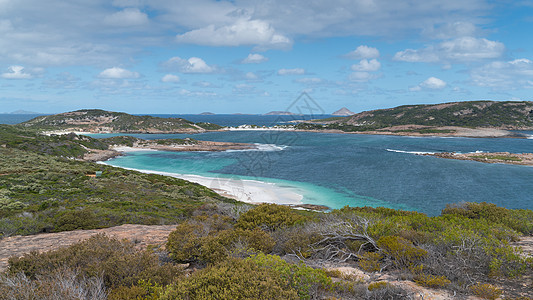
(489, 157)
(343, 112)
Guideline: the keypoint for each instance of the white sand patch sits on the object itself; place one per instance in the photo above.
(250, 191)
(63, 132)
(131, 149)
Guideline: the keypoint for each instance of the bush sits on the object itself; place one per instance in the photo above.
(270, 217)
(486, 291)
(117, 261)
(75, 219)
(370, 261)
(232, 279)
(432, 281)
(402, 251)
(60, 284)
(211, 239)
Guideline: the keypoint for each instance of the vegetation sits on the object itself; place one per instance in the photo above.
(510, 114)
(102, 121)
(222, 249)
(497, 157)
(43, 193)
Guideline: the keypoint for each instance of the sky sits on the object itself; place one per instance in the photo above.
(256, 56)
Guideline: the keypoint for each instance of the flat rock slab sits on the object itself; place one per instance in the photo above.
(141, 235)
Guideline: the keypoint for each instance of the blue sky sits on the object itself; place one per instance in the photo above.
(160, 56)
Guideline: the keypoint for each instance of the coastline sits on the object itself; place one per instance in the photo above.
(523, 159)
(244, 190)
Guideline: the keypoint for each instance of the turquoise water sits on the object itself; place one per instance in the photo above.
(357, 170)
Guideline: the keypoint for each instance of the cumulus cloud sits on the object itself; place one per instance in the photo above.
(362, 76)
(118, 73)
(464, 49)
(432, 83)
(367, 65)
(127, 17)
(16, 72)
(241, 32)
(254, 58)
(363, 52)
(512, 74)
(295, 71)
(451, 30)
(170, 78)
(191, 65)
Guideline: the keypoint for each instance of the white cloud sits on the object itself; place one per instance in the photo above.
(241, 32)
(191, 65)
(170, 78)
(118, 73)
(451, 30)
(16, 72)
(512, 74)
(464, 49)
(363, 52)
(296, 71)
(432, 83)
(309, 80)
(362, 76)
(127, 17)
(367, 66)
(254, 58)
(251, 76)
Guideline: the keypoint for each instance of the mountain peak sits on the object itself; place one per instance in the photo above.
(343, 112)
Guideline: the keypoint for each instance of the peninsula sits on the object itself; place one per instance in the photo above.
(101, 121)
(454, 119)
(525, 159)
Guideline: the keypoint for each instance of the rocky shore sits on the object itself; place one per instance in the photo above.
(525, 159)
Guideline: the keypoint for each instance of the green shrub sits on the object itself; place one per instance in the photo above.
(232, 279)
(306, 280)
(370, 261)
(117, 261)
(75, 219)
(377, 285)
(402, 251)
(270, 217)
(486, 291)
(432, 281)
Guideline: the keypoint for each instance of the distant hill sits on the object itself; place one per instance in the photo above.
(280, 113)
(24, 112)
(506, 115)
(96, 121)
(343, 112)
(206, 113)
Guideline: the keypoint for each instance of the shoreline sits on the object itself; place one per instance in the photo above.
(243, 190)
(523, 159)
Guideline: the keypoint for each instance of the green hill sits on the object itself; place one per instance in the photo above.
(506, 115)
(95, 120)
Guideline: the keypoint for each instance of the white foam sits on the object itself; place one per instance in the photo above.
(410, 152)
(250, 191)
(262, 147)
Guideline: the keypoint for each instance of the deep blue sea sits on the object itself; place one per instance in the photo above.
(349, 169)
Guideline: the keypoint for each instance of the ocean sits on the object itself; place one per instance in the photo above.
(350, 169)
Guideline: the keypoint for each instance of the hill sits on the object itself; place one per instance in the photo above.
(98, 121)
(491, 114)
(343, 112)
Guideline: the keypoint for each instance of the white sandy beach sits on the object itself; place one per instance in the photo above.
(244, 190)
